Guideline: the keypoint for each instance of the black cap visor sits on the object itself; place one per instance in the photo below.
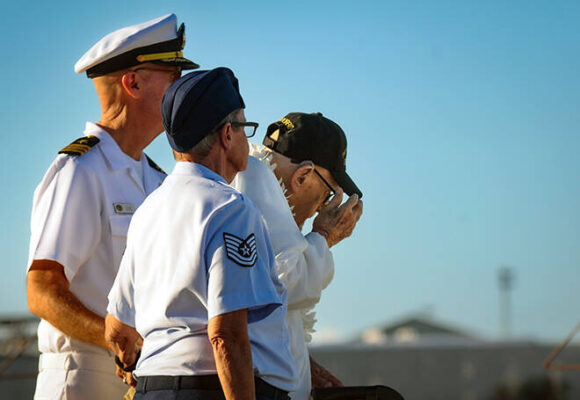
(347, 184)
(184, 63)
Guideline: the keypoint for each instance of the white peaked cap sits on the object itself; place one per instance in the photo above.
(157, 41)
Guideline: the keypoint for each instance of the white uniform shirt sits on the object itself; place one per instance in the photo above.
(197, 249)
(80, 216)
(304, 263)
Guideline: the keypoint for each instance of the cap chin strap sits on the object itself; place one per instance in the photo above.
(159, 56)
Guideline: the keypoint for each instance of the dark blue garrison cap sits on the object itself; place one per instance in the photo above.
(195, 104)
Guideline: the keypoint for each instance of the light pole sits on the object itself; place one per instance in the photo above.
(506, 279)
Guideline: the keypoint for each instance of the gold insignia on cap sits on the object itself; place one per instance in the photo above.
(288, 123)
(181, 35)
(80, 146)
(159, 56)
(344, 157)
(275, 135)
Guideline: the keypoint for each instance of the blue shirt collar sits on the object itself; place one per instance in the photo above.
(195, 169)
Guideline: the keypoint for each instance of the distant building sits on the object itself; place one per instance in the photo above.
(425, 359)
(417, 330)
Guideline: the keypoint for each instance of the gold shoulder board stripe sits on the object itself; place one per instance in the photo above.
(154, 166)
(80, 146)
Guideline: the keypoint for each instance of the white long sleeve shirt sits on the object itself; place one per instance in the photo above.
(304, 262)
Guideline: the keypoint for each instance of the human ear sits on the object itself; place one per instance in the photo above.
(226, 135)
(130, 84)
(300, 175)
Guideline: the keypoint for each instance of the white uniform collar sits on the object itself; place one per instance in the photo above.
(195, 169)
(115, 156)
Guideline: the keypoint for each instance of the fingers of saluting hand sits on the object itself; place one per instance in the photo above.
(358, 209)
(348, 212)
(335, 200)
(350, 204)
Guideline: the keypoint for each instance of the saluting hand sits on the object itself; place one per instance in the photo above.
(336, 221)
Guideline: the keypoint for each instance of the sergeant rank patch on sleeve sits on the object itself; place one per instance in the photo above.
(241, 251)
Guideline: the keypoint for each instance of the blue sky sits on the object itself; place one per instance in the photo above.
(462, 120)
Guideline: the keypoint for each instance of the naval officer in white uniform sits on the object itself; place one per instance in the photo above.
(198, 279)
(84, 203)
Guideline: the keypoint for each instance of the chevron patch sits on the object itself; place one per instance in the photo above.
(241, 251)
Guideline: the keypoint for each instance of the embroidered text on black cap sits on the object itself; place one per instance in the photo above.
(241, 251)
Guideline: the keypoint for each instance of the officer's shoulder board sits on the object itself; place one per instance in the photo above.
(80, 146)
(154, 166)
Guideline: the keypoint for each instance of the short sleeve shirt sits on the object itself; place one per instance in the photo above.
(196, 249)
(80, 216)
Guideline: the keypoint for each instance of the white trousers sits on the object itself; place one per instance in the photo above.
(73, 375)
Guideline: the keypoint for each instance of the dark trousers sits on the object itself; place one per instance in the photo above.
(182, 394)
(206, 387)
(185, 394)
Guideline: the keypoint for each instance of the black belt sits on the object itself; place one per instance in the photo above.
(203, 382)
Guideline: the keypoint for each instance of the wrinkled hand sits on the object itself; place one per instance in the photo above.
(336, 221)
(321, 377)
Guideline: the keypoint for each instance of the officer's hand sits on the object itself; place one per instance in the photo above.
(123, 340)
(126, 377)
(336, 221)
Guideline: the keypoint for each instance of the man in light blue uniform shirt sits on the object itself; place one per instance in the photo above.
(198, 280)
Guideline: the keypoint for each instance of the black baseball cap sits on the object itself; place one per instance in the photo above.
(301, 137)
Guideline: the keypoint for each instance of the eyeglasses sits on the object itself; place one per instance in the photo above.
(175, 73)
(332, 191)
(249, 127)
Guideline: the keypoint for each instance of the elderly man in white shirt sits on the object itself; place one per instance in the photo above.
(300, 171)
